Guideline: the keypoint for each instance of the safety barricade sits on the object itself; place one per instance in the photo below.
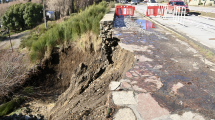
(156, 10)
(179, 14)
(152, 10)
(163, 11)
(124, 10)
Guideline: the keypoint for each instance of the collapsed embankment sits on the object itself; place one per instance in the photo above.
(80, 77)
(74, 82)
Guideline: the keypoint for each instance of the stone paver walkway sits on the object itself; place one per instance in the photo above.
(165, 83)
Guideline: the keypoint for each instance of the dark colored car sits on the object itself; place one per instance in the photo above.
(134, 2)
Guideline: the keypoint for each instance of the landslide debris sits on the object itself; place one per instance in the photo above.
(73, 83)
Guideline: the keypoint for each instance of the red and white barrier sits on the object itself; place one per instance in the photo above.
(163, 11)
(124, 10)
(156, 10)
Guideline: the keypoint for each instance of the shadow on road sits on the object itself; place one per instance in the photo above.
(194, 13)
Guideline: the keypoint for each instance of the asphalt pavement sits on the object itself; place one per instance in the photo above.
(199, 29)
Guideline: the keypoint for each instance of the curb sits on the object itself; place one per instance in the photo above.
(184, 37)
(207, 17)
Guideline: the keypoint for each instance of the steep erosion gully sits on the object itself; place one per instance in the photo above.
(74, 83)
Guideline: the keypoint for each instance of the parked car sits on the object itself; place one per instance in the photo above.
(134, 2)
(152, 3)
(172, 4)
(124, 1)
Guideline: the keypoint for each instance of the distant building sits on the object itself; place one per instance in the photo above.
(202, 2)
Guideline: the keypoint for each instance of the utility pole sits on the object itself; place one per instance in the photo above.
(10, 38)
(44, 14)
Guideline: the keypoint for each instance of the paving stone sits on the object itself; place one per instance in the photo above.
(125, 80)
(125, 85)
(124, 114)
(114, 85)
(187, 116)
(134, 74)
(149, 108)
(134, 82)
(156, 80)
(137, 88)
(123, 98)
(128, 74)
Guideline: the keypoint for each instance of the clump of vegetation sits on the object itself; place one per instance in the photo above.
(112, 4)
(35, 33)
(29, 89)
(22, 16)
(10, 106)
(70, 30)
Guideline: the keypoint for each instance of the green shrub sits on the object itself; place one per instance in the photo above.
(10, 106)
(22, 15)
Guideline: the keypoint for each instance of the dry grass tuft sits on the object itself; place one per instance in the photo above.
(87, 39)
(13, 66)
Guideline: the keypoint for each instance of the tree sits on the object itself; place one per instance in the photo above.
(8, 19)
(32, 14)
(4, 1)
(22, 15)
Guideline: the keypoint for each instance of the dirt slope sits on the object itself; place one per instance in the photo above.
(87, 94)
(73, 83)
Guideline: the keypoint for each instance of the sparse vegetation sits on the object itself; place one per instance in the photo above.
(70, 30)
(28, 89)
(10, 106)
(13, 65)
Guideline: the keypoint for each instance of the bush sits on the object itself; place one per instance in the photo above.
(22, 16)
(112, 4)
